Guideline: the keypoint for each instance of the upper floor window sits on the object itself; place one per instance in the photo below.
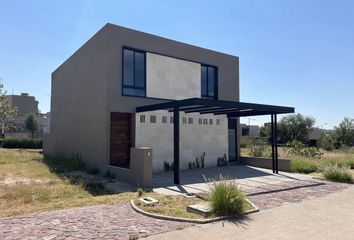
(209, 82)
(134, 73)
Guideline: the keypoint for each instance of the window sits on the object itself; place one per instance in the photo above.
(205, 121)
(190, 120)
(209, 83)
(217, 121)
(200, 121)
(133, 73)
(152, 119)
(210, 121)
(142, 118)
(171, 119)
(184, 120)
(164, 119)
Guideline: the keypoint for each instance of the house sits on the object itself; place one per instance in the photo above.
(250, 130)
(25, 104)
(125, 90)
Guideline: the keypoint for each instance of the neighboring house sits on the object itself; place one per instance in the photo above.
(315, 136)
(100, 97)
(25, 104)
(249, 130)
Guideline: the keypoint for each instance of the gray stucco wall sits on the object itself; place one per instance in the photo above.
(88, 86)
(79, 104)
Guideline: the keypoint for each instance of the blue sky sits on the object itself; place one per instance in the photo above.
(295, 53)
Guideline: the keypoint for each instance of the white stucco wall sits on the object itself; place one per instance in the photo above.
(169, 78)
(195, 138)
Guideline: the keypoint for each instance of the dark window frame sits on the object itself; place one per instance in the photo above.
(134, 87)
(216, 82)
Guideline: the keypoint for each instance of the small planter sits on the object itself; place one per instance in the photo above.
(149, 201)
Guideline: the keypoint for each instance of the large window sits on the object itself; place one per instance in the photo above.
(209, 84)
(134, 73)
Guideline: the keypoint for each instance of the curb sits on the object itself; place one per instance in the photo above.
(190, 220)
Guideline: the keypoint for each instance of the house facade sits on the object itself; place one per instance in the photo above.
(96, 91)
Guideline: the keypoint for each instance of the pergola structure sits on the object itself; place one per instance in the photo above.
(231, 109)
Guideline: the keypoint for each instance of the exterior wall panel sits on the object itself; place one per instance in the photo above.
(171, 78)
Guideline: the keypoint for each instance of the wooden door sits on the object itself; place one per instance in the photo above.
(120, 139)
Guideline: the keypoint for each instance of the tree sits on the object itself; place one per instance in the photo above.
(31, 124)
(295, 127)
(344, 133)
(6, 112)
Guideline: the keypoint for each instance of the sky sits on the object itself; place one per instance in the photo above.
(295, 53)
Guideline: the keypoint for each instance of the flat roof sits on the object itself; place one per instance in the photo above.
(232, 109)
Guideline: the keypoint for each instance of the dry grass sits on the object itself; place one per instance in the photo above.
(34, 188)
(171, 206)
(176, 206)
(27, 186)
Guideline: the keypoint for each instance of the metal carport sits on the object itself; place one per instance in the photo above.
(231, 109)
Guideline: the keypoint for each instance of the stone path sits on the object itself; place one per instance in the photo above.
(116, 221)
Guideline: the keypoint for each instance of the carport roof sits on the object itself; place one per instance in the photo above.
(217, 107)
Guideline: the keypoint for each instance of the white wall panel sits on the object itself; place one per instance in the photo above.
(195, 138)
(171, 78)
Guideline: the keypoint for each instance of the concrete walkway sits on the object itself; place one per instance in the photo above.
(250, 179)
(330, 217)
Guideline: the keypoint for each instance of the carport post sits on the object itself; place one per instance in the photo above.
(276, 142)
(176, 144)
(273, 143)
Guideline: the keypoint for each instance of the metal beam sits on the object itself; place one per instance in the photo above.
(218, 111)
(176, 145)
(276, 143)
(247, 113)
(273, 149)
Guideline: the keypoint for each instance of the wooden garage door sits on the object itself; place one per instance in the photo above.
(120, 139)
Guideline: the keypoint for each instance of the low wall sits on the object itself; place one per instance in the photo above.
(283, 164)
(140, 171)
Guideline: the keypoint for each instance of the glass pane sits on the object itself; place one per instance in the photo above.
(134, 92)
(211, 81)
(204, 80)
(139, 69)
(128, 67)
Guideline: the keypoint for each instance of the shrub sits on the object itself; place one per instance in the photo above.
(226, 198)
(168, 166)
(259, 149)
(298, 148)
(338, 173)
(11, 142)
(62, 164)
(245, 142)
(303, 166)
(222, 161)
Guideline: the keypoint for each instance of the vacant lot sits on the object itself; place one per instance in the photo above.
(28, 185)
(304, 164)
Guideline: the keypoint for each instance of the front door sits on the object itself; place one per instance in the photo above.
(120, 139)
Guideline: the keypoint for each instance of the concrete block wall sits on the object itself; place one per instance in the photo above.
(210, 137)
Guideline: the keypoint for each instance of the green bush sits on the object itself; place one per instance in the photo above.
(259, 149)
(298, 148)
(62, 164)
(1, 140)
(226, 198)
(11, 142)
(245, 142)
(303, 166)
(338, 173)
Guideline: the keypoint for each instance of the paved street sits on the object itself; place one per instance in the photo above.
(330, 217)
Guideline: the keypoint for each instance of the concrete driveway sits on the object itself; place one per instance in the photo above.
(329, 217)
